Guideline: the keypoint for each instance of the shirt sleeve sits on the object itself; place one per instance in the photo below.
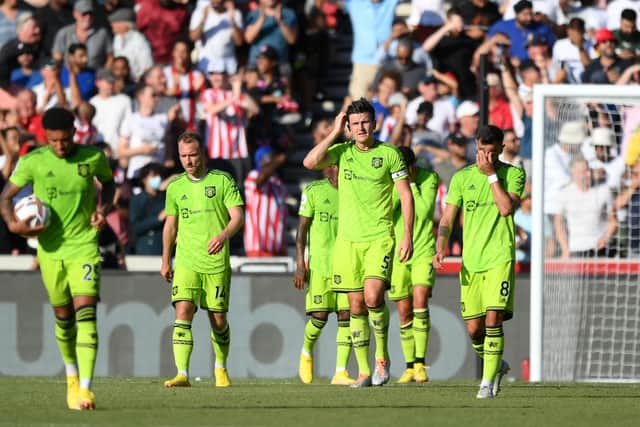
(22, 174)
(306, 204)
(515, 181)
(335, 152)
(103, 170)
(454, 195)
(397, 168)
(170, 206)
(429, 188)
(232, 193)
(58, 42)
(197, 16)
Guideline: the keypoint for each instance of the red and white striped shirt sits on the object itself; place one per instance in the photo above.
(226, 136)
(265, 217)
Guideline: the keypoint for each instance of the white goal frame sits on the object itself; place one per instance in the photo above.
(625, 93)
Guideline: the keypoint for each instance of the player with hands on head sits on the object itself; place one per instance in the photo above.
(490, 192)
(204, 210)
(364, 248)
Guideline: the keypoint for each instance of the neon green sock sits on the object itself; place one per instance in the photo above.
(343, 345)
(421, 328)
(182, 345)
(360, 333)
(380, 320)
(66, 332)
(407, 343)
(493, 349)
(220, 340)
(86, 342)
(312, 332)
(478, 347)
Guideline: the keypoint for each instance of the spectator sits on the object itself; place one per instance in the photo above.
(607, 68)
(499, 107)
(444, 114)
(10, 148)
(155, 78)
(427, 143)
(8, 19)
(28, 118)
(594, 16)
(274, 25)
(521, 107)
(184, 83)
(146, 211)
(216, 27)
(511, 153)
(614, 10)
(50, 92)
(129, 42)
(411, 73)
(468, 115)
(77, 71)
(469, 9)
(556, 163)
(266, 209)
(519, 29)
(452, 49)
(27, 75)
(97, 40)
(400, 31)
(426, 13)
(226, 109)
(317, 50)
(27, 33)
(573, 53)
(606, 168)
(112, 109)
(51, 18)
(143, 132)
(85, 131)
(122, 77)
(627, 204)
(390, 130)
(457, 147)
(588, 214)
(388, 84)
(627, 35)
(162, 23)
(371, 22)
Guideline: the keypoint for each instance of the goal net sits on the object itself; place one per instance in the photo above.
(585, 252)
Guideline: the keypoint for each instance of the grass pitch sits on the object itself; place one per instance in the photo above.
(29, 401)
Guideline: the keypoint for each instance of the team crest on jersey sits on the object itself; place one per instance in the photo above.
(337, 279)
(210, 191)
(376, 162)
(83, 169)
(317, 299)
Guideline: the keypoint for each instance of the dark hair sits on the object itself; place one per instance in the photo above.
(316, 122)
(406, 41)
(190, 138)
(398, 20)
(58, 118)
(426, 107)
(122, 58)
(454, 11)
(184, 41)
(141, 87)
(393, 75)
(408, 155)
(151, 168)
(490, 134)
(73, 47)
(360, 106)
(577, 24)
(101, 145)
(629, 15)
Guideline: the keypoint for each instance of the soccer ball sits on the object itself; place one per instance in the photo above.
(31, 206)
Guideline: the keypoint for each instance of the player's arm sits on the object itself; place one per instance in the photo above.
(444, 231)
(107, 195)
(300, 276)
(405, 248)
(6, 209)
(319, 158)
(169, 233)
(236, 221)
(507, 203)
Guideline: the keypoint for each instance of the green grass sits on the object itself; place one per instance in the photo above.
(143, 402)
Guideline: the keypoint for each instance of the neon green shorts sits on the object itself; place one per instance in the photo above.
(405, 276)
(210, 291)
(481, 291)
(353, 262)
(64, 280)
(320, 297)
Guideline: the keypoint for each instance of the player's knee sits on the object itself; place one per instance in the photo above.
(322, 315)
(218, 320)
(185, 310)
(343, 316)
(64, 312)
(373, 300)
(475, 329)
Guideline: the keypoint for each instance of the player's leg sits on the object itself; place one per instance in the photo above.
(55, 282)
(343, 341)
(318, 302)
(360, 335)
(423, 279)
(400, 293)
(216, 290)
(185, 293)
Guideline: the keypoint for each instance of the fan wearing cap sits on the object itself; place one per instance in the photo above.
(607, 68)
(607, 168)
(489, 191)
(585, 219)
(468, 115)
(444, 113)
(573, 53)
(520, 28)
(97, 40)
(27, 75)
(129, 42)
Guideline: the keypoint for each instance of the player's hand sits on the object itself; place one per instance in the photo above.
(340, 121)
(437, 260)
(485, 163)
(23, 227)
(217, 243)
(97, 220)
(300, 276)
(405, 250)
(166, 272)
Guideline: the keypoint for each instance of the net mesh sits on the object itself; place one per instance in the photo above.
(591, 296)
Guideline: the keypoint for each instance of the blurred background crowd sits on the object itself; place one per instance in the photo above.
(262, 80)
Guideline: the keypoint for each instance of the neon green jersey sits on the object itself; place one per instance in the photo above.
(488, 237)
(365, 185)
(202, 210)
(320, 203)
(67, 186)
(424, 192)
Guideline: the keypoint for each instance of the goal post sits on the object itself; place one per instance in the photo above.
(584, 311)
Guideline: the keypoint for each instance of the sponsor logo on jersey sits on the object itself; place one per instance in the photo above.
(376, 162)
(83, 169)
(210, 191)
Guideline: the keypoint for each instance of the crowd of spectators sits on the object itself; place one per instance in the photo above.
(245, 74)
